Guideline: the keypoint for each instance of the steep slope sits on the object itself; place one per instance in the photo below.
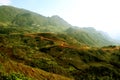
(10, 14)
(16, 20)
(90, 36)
(18, 71)
(30, 54)
(35, 47)
(16, 17)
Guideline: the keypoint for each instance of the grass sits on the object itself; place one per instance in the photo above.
(37, 74)
(32, 57)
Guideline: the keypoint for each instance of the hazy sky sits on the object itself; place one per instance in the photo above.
(101, 14)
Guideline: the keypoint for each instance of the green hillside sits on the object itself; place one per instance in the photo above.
(16, 17)
(15, 20)
(35, 47)
(90, 36)
(27, 54)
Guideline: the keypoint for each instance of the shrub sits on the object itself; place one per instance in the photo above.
(13, 76)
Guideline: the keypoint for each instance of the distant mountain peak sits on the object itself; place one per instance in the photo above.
(21, 18)
(55, 16)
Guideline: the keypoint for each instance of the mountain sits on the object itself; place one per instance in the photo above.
(35, 47)
(90, 36)
(23, 18)
(41, 56)
(24, 21)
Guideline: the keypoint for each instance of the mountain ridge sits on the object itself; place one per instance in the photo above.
(35, 47)
(33, 22)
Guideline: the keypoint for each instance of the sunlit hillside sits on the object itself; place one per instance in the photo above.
(35, 47)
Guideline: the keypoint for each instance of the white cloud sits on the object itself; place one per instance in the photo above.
(5, 2)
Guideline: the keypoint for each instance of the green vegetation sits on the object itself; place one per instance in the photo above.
(90, 36)
(48, 54)
(13, 76)
(34, 47)
(23, 21)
